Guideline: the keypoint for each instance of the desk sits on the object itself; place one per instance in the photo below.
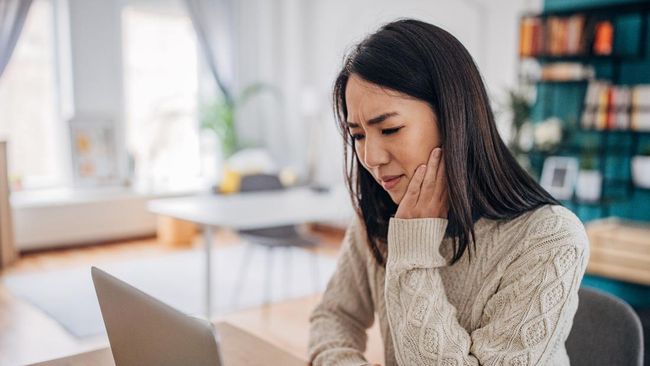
(252, 211)
(238, 347)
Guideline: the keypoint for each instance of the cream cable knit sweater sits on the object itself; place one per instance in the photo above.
(512, 304)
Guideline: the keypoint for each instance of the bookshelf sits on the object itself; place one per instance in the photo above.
(605, 42)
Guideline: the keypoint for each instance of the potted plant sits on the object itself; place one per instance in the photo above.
(516, 109)
(548, 134)
(641, 169)
(589, 182)
(220, 115)
(519, 106)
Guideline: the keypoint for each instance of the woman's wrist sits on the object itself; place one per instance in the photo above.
(416, 242)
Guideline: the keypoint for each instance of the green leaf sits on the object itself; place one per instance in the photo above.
(219, 116)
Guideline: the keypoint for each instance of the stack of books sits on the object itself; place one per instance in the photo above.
(553, 36)
(616, 107)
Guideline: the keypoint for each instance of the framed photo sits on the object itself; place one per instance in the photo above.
(559, 176)
(94, 152)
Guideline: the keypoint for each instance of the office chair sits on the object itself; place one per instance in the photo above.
(286, 236)
(606, 331)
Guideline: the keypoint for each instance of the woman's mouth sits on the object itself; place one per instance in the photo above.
(391, 183)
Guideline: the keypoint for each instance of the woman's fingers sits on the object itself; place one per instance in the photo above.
(426, 194)
(441, 194)
(440, 180)
(430, 178)
(413, 190)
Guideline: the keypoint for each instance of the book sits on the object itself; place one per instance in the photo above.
(640, 107)
(526, 37)
(623, 110)
(604, 38)
(575, 29)
(601, 114)
(591, 104)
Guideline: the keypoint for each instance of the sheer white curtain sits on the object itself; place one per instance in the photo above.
(212, 21)
(12, 18)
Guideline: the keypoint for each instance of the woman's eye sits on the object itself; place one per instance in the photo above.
(390, 131)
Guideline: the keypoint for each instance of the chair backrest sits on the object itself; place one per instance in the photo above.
(260, 182)
(606, 331)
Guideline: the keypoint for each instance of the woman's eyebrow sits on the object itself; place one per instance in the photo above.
(375, 120)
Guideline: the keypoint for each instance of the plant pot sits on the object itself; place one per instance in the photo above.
(589, 185)
(641, 171)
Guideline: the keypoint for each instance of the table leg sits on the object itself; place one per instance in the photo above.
(207, 244)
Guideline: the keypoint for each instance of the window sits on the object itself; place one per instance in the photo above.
(161, 87)
(28, 116)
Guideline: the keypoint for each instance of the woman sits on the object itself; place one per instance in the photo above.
(462, 256)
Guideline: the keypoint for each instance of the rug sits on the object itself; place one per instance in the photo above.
(177, 279)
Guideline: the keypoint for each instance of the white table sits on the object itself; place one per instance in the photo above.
(253, 211)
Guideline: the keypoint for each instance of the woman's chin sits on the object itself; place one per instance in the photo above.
(396, 196)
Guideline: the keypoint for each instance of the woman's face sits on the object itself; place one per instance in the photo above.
(393, 132)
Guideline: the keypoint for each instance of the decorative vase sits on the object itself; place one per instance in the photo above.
(641, 171)
(589, 185)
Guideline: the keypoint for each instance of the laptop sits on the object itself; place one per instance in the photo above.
(145, 331)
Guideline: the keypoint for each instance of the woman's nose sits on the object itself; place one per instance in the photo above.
(376, 154)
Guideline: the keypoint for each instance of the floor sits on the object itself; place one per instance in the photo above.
(27, 335)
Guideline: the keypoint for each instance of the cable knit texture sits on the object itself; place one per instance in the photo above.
(511, 303)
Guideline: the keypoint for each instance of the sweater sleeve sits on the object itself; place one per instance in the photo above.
(339, 322)
(523, 323)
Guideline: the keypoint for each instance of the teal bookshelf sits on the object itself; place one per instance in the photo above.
(628, 64)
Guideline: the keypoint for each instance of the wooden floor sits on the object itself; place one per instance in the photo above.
(27, 335)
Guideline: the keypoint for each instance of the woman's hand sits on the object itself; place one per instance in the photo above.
(426, 195)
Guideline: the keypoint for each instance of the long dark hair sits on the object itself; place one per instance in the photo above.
(425, 62)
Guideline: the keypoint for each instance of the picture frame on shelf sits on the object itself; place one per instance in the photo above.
(94, 152)
(559, 175)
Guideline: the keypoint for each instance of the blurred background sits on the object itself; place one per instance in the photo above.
(106, 105)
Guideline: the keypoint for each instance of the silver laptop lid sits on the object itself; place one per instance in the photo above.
(145, 331)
